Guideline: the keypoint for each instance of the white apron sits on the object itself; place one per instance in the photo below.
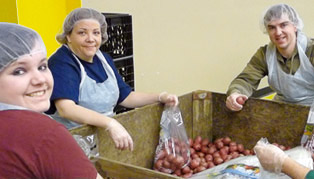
(99, 97)
(4, 106)
(297, 88)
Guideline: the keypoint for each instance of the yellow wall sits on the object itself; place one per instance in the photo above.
(44, 16)
(184, 45)
(8, 11)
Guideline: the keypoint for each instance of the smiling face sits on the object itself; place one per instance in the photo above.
(85, 39)
(27, 82)
(283, 34)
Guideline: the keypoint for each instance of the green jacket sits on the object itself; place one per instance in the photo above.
(248, 80)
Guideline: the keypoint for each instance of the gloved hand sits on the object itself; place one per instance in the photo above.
(168, 99)
(270, 156)
(235, 101)
(119, 135)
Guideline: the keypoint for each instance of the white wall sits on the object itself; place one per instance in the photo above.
(183, 45)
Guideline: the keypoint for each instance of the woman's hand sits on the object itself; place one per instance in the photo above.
(270, 156)
(235, 101)
(119, 135)
(168, 99)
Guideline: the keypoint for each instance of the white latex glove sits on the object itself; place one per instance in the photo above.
(168, 99)
(119, 135)
(270, 156)
(235, 101)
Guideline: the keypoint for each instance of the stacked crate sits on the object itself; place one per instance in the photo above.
(120, 47)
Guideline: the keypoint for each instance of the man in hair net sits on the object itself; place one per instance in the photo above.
(287, 61)
(32, 144)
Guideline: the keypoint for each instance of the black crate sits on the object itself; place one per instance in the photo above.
(120, 47)
(120, 40)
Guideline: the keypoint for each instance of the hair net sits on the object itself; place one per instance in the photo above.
(276, 12)
(17, 41)
(80, 14)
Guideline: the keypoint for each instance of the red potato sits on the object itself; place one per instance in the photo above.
(204, 149)
(166, 164)
(208, 157)
(216, 154)
(173, 167)
(226, 148)
(211, 164)
(197, 146)
(179, 161)
(229, 157)
(247, 152)
(204, 164)
(200, 169)
(191, 142)
(218, 160)
(186, 170)
(162, 154)
(232, 143)
(234, 154)
(226, 140)
(240, 100)
(194, 156)
(218, 140)
(201, 154)
(224, 157)
(170, 157)
(192, 151)
(205, 142)
(194, 164)
(233, 148)
(178, 172)
(240, 147)
(198, 139)
(158, 164)
(212, 149)
(223, 151)
(187, 175)
(219, 145)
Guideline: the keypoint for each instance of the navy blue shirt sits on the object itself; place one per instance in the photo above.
(67, 76)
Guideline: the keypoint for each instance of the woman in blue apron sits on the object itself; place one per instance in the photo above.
(87, 84)
(32, 145)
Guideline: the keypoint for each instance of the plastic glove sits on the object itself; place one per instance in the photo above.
(168, 99)
(270, 156)
(235, 101)
(119, 135)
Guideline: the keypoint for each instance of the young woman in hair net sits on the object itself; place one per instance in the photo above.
(87, 84)
(32, 144)
(287, 60)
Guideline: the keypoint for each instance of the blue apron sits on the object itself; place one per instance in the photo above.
(297, 88)
(99, 97)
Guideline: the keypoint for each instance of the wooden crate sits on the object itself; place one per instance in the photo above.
(205, 114)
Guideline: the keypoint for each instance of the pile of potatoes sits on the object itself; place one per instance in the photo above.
(185, 159)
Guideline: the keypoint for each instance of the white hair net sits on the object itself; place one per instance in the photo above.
(276, 12)
(17, 41)
(80, 14)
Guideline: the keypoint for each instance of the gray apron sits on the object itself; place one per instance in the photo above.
(99, 97)
(297, 88)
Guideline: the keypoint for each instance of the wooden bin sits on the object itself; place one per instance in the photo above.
(205, 114)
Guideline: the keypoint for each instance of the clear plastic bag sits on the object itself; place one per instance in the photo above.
(307, 139)
(89, 144)
(173, 151)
